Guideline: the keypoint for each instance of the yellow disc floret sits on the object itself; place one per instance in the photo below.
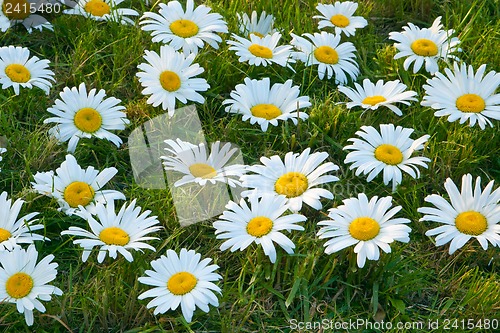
(114, 236)
(291, 184)
(424, 47)
(374, 100)
(4, 234)
(471, 223)
(170, 81)
(388, 154)
(470, 103)
(260, 51)
(326, 55)
(266, 111)
(78, 193)
(184, 28)
(88, 120)
(202, 170)
(97, 8)
(364, 228)
(19, 285)
(16, 9)
(181, 283)
(18, 73)
(339, 20)
(259, 226)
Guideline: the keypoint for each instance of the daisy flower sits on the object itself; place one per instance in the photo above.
(473, 213)
(296, 178)
(81, 115)
(259, 26)
(13, 12)
(463, 95)
(388, 151)
(262, 104)
(371, 96)
(425, 45)
(261, 51)
(368, 224)
(73, 186)
(103, 10)
(331, 56)
(189, 29)
(183, 280)
(113, 232)
(340, 16)
(17, 69)
(261, 223)
(14, 231)
(169, 76)
(23, 281)
(197, 167)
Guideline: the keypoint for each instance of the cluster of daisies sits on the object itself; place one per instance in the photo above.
(275, 191)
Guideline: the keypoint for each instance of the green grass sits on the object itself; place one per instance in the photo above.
(416, 282)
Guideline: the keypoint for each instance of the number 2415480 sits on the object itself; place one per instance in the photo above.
(17, 8)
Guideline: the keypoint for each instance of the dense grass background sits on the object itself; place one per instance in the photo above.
(417, 282)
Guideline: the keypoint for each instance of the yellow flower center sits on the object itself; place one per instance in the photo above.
(470, 103)
(471, 223)
(364, 228)
(339, 20)
(16, 9)
(181, 283)
(291, 184)
(114, 236)
(389, 154)
(18, 73)
(88, 120)
(184, 28)
(260, 51)
(258, 34)
(78, 193)
(424, 47)
(266, 111)
(374, 100)
(19, 285)
(326, 54)
(4, 234)
(170, 81)
(97, 8)
(259, 226)
(202, 170)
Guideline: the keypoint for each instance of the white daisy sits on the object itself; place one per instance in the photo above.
(13, 12)
(262, 104)
(261, 223)
(259, 26)
(17, 69)
(331, 56)
(261, 51)
(24, 282)
(340, 16)
(103, 10)
(371, 96)
(473, 213)
(388, 151)
(197, 167)
(14, 231)
(183, 280)
(113, 232)
(425, 45)
(169, 76)
(81, 115)
(463, 95)
(368, 224)
(73, 186)
(296, 178)
(189, 29)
